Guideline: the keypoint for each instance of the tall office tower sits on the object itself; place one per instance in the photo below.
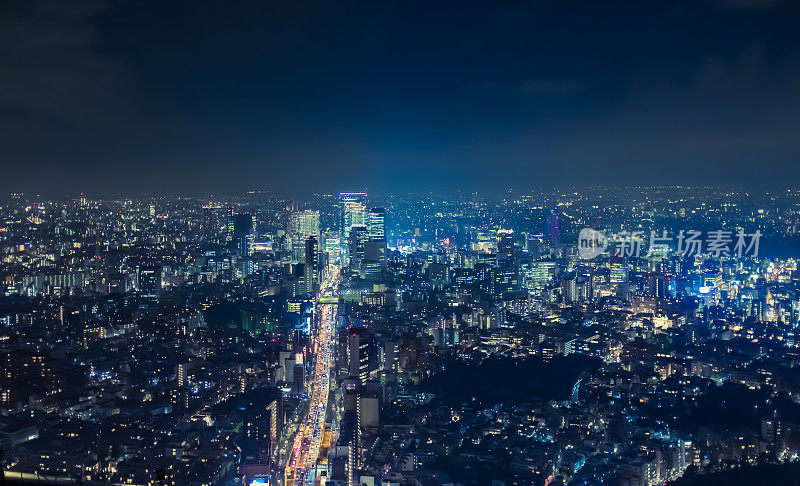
(359, 236)
(533, 244)
(657, 285)
(619, 271)
(539, 275)
(331, 244)
(618, 275)
(358, 354)
(261, 434)
(353, 206)
(303, 224)
(505, 244)
(376, 224)
(149, 281)
(241, 230)
(585, 288)
(311, 259)
(345, 455)
(312, 252)
(505, 278)
(299, 374)
(211, 220)
(390, 355)
(375, 247)
(569, 289)
(552, 228)
(374, 259)
(180, 374)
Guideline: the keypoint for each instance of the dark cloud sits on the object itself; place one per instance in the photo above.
(545, 87)
(730, 122)
(62, 103)
(749, 3)
(51, 71)
(532, 87)
(134, 97)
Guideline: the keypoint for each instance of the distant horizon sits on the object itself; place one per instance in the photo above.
(566, 189)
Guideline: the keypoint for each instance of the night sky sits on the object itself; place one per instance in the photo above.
(206, 97)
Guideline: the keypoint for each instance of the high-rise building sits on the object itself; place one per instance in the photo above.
(569, 289)
(353, 206)
(505, 244)
(210, 220)
(374, 257)
(304, 224)
(359, 236)
(241, 230)
(311, 259)
(149, 281)
(312, 252)
(552, 229)
(180, 373)
(505, 274)
(533, 243)
(658, 285)
(358, 354)
(331, 244)
(618, 270)
(538, 274)
(264, 420)
(376, 224)
(504, 279)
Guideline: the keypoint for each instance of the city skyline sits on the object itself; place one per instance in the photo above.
(414, 243)
(618, 336)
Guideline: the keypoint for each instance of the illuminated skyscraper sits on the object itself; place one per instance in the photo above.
(180, 373)
(241, 230)
(537, 275)
(210, 220)
(552, 229)
(359, 237)
(304, 224)
(618, 271)
(569, 289)
(331, 244)
(149, 281)
(353, 207)
(311, 262)
(376, 224)
(505, 244)
(374, 248)
(358, 354)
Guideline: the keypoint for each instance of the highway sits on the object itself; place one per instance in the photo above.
(305, 449)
